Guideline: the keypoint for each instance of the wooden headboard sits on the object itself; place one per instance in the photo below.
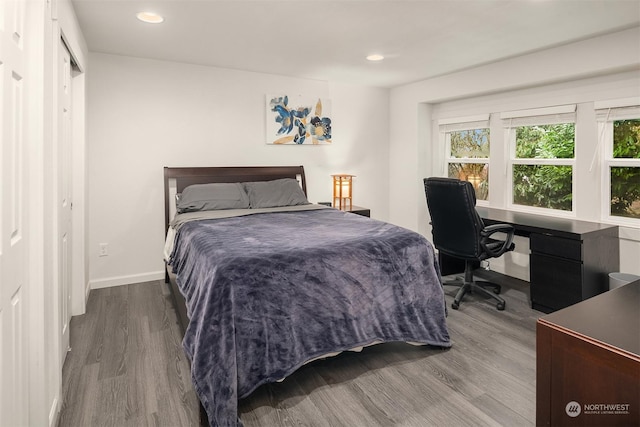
(180, 178)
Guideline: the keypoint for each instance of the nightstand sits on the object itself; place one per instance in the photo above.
(358, 210)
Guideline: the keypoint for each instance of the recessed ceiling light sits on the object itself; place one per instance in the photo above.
(375, 57)
(150, 17)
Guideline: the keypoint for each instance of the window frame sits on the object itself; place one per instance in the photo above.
(470, 123)
(533, 117)
(606, 114)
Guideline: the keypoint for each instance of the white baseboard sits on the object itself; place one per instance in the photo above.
(54, 412)
(126, 280)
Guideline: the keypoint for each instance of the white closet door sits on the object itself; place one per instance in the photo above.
(13, 218)
(64, 196)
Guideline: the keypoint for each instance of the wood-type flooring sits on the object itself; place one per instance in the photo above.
(126, 367)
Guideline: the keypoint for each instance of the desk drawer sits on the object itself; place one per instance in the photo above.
(555, 282)
(556, 246)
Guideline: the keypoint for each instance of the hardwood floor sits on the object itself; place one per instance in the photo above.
(126, 368)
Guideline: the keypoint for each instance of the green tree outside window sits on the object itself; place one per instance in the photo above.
(545, 186)
(625, 181)
(471, 144)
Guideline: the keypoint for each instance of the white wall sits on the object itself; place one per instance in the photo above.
(146, 114)
(602, 68)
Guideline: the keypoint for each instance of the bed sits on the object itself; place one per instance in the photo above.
(264, 281)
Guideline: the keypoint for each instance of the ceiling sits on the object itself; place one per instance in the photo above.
(329, 40)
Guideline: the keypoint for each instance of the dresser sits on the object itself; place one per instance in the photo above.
(588, 362)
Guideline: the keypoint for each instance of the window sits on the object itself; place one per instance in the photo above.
(619, 127)
(467, 142)
(541, 157)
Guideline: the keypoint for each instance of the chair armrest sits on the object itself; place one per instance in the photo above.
(496, 228)
(485, 238)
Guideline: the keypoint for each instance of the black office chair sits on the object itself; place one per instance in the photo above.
(458, 231)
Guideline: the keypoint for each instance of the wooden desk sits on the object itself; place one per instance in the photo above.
(588, 362)
(570, 260)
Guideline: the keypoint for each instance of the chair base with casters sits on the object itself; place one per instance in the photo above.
(468, 286)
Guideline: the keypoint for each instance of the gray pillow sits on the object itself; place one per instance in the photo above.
(209, 197)
(279, 192)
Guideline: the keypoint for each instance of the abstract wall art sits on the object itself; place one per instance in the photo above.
(303, 122)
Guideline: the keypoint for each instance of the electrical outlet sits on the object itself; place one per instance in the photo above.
(102, 251)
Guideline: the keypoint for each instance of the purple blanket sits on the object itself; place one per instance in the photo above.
(268, 292)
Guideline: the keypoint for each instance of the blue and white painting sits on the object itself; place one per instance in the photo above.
(300, 122)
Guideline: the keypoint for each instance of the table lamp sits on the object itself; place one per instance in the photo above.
(342, 191)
